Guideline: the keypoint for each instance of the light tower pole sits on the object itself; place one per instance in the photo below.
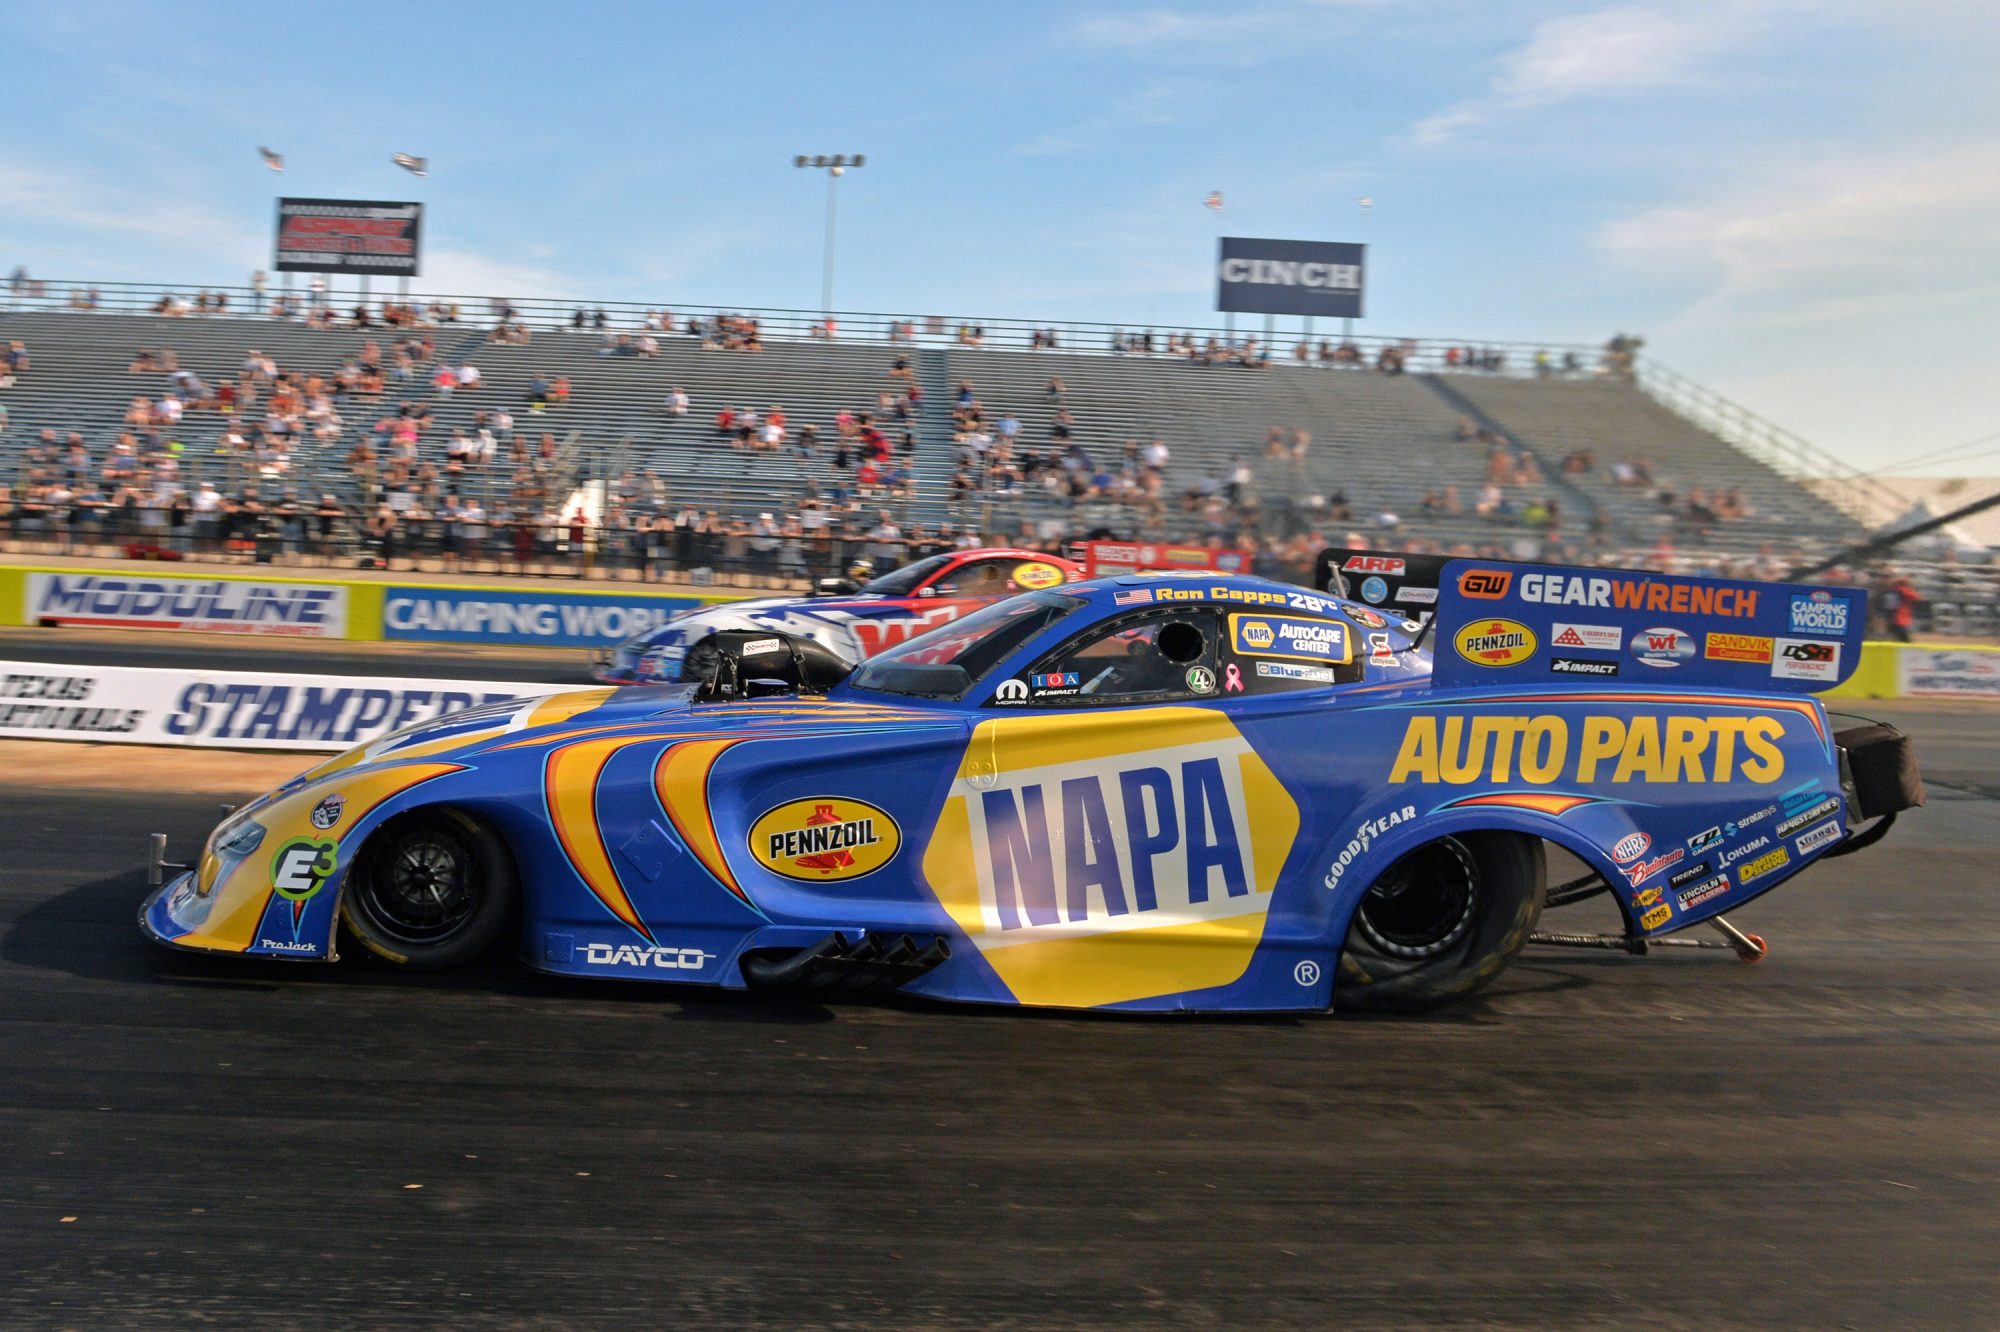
(835, 167)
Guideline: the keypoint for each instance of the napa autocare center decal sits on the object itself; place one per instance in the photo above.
(229, 709)
(533, 616)
(1543, 624)
(262, 607)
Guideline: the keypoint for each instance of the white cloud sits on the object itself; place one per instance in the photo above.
(460, 272)
(93, 216)
(1629, 49)
(1251, 33)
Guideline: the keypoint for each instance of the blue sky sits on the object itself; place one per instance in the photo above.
(1797, 203)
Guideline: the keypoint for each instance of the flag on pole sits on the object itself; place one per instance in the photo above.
(1214, 201)
(271, 159)
(416, 166)
(1366, 202)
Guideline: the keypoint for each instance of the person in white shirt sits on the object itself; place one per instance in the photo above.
(677, 402)
(468, 376)
(169, 409)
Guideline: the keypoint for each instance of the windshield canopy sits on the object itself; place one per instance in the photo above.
(949, 661)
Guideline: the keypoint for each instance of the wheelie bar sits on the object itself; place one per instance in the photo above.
(1747, 947)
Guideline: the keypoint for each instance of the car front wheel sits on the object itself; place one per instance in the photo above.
(432, 889)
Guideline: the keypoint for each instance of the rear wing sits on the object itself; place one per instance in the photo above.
(1500, 622)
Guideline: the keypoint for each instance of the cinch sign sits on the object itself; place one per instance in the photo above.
(1260, 276)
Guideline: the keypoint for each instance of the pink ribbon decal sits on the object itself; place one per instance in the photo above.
(1232, 679)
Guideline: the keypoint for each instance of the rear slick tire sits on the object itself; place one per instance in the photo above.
(1441, 922)
(432, 889)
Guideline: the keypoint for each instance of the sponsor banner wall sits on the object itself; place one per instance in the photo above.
(264, 607)
(228, 709)
(1507, 624)
(1939, 672)
(534, 616)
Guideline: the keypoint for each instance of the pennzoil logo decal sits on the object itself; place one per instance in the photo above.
(1496, 642)
(825, 838)
(1037, 576)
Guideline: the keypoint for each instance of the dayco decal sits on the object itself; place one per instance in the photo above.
(1737, 647)
(1126, 860)
(1776, 859)
(1799, 820)
(1707, 891)
(825, 838)
(1639, 594)
(656, 956)
(1495, 642)
(1539, 750)
(1363, 837)
(1817, 838)
(1736, 853)
(1657, 917)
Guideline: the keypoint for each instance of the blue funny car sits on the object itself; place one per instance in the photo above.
(1151, 792)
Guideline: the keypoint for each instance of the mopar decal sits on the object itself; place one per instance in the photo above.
(825, 838)
(1540, 750)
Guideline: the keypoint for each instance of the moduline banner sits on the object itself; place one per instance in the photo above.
(539, 616)
(228, 709)
(1258, 276)
(215, 605)
(348, 236)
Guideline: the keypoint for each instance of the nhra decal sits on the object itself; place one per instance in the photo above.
(1124, 859)
(825, 838)
(1495, 642)
(1283, 636)
(1462, 750)
(1630, 847)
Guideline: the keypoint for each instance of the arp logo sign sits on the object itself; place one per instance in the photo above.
(1127, 858)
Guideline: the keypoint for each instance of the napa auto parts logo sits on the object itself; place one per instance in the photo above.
(1128, 861)
(1495, 642)
(825, 838)
(1662, 647)
(209, 605)
(1460, 750)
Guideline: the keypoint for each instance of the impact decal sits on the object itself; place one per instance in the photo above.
(825, 838)
(1495, 642)
(1126, 860)
(1581, 666)
(1461, 750)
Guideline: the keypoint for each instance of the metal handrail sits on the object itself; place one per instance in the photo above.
(1845, 486)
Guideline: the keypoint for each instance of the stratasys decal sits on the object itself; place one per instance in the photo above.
(1126, 858)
